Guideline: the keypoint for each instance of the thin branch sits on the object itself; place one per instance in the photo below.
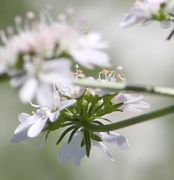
(115, 86)
(131, 121)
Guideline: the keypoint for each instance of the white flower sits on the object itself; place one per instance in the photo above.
(132, 102)
(143, 11)
(88, 51)
(75, 152)
(38, 78)
(49, 40)
(32, 125)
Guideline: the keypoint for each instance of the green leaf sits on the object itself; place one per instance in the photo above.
(72, 134)
(83, 142)
(87, 141)
(98, 122)
(96, 138)
(64, 133)
(46, 136)
(4, 77)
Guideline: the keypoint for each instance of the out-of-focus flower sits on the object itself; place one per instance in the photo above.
(131, 102)
(38, 76)
(50, 40)
(88, 51)
(32, 125)
(75, 152)
(147, 10)
(35, 54)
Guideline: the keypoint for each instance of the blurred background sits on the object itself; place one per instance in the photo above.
(147, 58)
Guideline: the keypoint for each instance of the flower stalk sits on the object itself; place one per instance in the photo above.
(131, 121)
(116, 86)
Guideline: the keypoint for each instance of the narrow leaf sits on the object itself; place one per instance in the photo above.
(64, 133)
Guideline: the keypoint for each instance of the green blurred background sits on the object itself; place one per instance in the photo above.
(147, 59)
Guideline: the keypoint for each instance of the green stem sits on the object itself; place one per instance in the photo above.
(131, 121)
(115, 86)
(4, 77)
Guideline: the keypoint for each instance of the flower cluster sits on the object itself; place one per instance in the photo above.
(39, 52)
(149, 10)
(74, 109)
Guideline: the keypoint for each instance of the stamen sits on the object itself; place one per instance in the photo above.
(103, 74)
(79, 73)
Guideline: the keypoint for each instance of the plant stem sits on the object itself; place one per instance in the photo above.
(4, 77)
(131, 121)
(115, 86)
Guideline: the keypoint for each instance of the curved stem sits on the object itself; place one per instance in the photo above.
(131, 121)
(126, 87)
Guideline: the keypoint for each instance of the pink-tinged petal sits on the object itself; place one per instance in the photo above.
(114, 138)
(37, 128)
(27, 92)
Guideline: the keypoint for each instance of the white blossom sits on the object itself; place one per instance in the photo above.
(144, 11)
(88, 51)
(49, 40)
(75, 152)
(38, 78)
(132, 102)
(32, 125)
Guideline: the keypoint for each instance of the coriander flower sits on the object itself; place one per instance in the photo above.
(38, 37)
(75, 152)
(147, 10)
(80, 112)
(32, 125)
(38, 77)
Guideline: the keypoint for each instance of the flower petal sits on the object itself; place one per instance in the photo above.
(116, 139)
(21, 136)
(104, 149)
(23, 116)
(67, 103)
(27, 92)
(25, 124)
(72, 151)
(37, 127)
(44, 95)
